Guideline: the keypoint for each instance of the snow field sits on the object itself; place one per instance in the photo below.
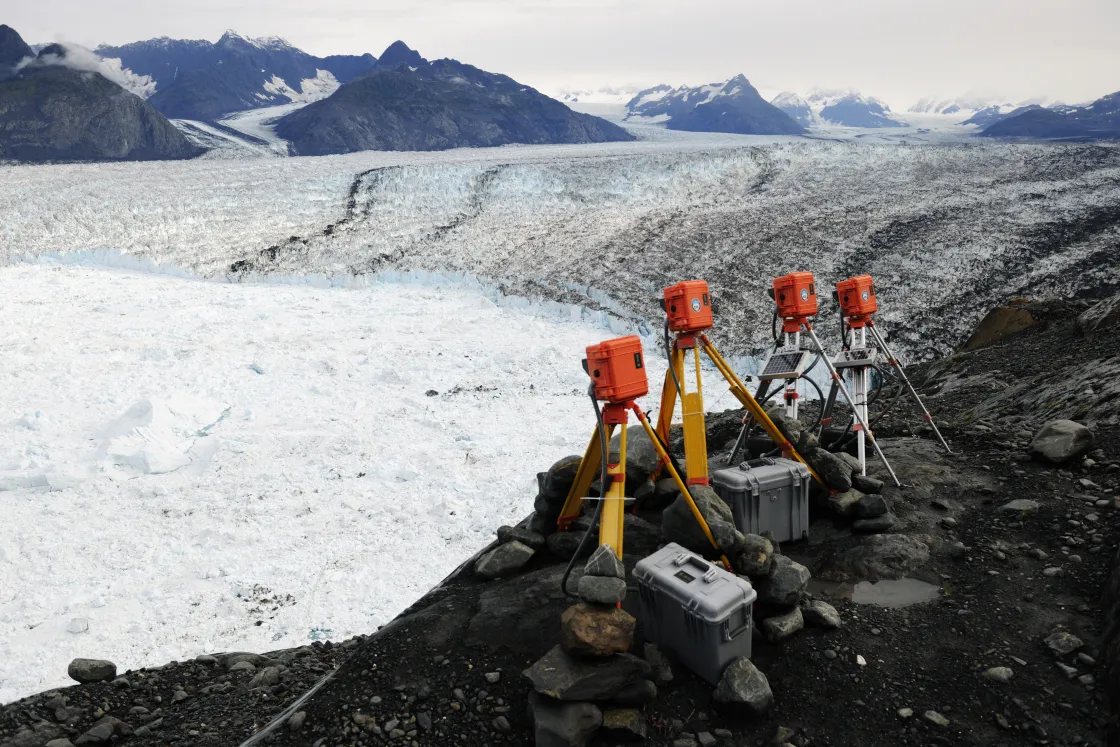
(188, 466)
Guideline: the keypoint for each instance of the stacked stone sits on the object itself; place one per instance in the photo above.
(589, 681)
(856, 496)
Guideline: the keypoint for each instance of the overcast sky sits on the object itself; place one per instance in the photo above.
(898, 50)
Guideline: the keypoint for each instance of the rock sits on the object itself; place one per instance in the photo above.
(1018, 506)
(636, 694)
(553, 492)
(778, 629)
(504, 560)
(102, 732)
(91, 670)
(1061, 441)
(867, 484)
(757, 557)
(872, 526)
(782, 735)
(624, 724)
(523, 535)
(1101, 315)
(680, 526)
(243, 666)
(889, 556)
(742, 684)
(1063, 643)
(565, 544)
(664, 493)
(561, 676)
(587, 630)
(267, 677)
(785, 583)
(662, 669)
(935, 718)
(502, 725)
(602, 590)
(179, 696)
(559, 724)
(833, 470)
(605, 563)
(641, 457)
(958, 550)
(844, 504)
(998, 674)
(905, 712)
(821, 615)
(851, 460)
(870, 506)
(1000, 322)
(493, 678)
(63, 742)
(295, 721)
(706, 739)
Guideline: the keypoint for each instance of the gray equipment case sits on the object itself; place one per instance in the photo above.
(767, 494)
(695, 610)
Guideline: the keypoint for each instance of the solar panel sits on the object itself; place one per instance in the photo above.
(856, 358)
(785, 364)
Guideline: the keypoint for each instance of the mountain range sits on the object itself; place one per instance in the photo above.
(408, 103)
(54, 107)
(732, 106)
(1098, 120)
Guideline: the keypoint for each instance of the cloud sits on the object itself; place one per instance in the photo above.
(77, 57)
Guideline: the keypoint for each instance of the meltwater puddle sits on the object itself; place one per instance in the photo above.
(896, 593)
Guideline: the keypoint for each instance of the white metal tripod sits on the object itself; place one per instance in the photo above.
(859, 407)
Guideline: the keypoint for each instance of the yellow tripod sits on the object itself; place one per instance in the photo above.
(692, 407)
(613, 514)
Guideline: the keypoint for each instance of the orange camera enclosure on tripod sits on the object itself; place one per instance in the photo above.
(618, 369)
(688, 306)
(796, 295)
(857, 296)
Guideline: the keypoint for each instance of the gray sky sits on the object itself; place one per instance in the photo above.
(898, 50)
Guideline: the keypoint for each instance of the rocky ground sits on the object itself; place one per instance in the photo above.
(993, 631)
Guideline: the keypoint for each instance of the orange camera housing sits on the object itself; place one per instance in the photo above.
(618, 369)
(688, 306)
(796, 296)
(857, 299)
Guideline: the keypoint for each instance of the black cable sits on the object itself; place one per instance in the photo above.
(602, 492)
(672, 368)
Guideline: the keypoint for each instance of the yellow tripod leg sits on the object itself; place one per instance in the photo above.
(695, 431)
(589, 468)
(669, 395)
(613, 515)
(755, 409)
(682, 487)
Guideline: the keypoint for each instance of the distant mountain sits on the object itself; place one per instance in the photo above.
(796, 107)
(408, 103)
(198, 80)
(54, 108)
(992, 114)
(1099, 120)
(852, 109)
(603, 95)
(733, 106)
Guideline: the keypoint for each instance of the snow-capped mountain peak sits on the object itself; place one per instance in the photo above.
(271, 43)
(733, 105)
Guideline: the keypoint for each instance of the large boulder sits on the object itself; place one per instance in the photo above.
(742, 684)
(605, 590)
(1101, 315)
(844, 504)
(1000, 322)
(641, 457)
(504, 560)
(779, 628)
(559, 675)
(679, 525)
(596, 631)
(785, 583)
(86, 671)
(884, 556)
(1061, 441)
(757, 557)
(833, 470)
(605, 563)
(552, 491)
(560, 724)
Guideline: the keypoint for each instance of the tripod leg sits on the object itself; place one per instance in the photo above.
(859, 377)
(826, 414)
(668, 400)
(902, 374)
(695, 431)
(681, 486)
(585, 475)
(614, 509)
(740, 444)
(847, 395)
